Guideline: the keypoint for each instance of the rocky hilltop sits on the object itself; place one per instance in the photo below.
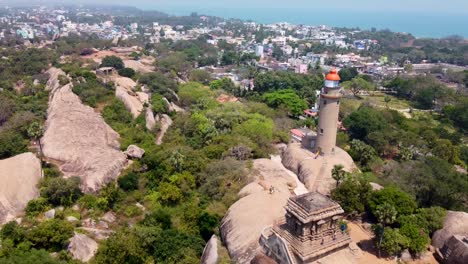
(19, 177)
(315, 171)
(78, 139)
(262, 203)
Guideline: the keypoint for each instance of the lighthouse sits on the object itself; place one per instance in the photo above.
(329, 109)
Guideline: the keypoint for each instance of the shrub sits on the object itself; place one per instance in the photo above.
(127, 72)
(60, 191)
(161, 217)
(401, 201)
(129, 181)
(113, 61)
(36, 206)
(51, 234)
(11, 144)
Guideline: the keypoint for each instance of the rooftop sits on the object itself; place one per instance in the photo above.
(313, 201)
(312, 206)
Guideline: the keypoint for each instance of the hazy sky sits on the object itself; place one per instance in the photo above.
(447, 6)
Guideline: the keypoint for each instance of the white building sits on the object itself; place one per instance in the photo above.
(259, 51)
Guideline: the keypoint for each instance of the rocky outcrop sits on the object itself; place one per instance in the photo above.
(53, 83)
(143, 97)
(82, 247)
(149, 117)
(456, 223)
(78, 140)
(138, 66)
(171, 107)
(19, 177)
(315, 170)
(124, 92)
(210, 253)
(134, 152)
(261, 204)
(131, 102)
(166, 122)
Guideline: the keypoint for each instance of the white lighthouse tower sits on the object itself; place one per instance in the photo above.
(329, 108)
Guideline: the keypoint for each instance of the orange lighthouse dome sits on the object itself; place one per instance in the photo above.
(333, 76)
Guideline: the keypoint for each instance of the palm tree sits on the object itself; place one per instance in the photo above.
(386, 215)
(338, 173)
(35, 132)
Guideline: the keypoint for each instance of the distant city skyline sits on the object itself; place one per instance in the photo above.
(420, 6)
(422, 18)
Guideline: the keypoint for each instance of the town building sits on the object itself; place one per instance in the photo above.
(312, 228)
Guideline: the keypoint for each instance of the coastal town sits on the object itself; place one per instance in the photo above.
(134, 136)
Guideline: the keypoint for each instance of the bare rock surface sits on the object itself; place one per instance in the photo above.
(376, 186)
(109, 217)
(135, 152)
(80, 142)
(315, 171)
(124, 82)
(53, 82)
(262, 203)
(149, 117)
(50, 214)
(139, 66)
(143, 97)
(82, 247)
(456, 223)
(19, 176)
(166, 122)
(132, 103)
(124, 92)
(210, 252)
(173, 107)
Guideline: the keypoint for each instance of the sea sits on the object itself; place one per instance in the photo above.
(420, 24)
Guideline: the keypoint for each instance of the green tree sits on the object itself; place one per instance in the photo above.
(11, 144)
(393, 242)
(362, 153)
(230, 58)
(112, 61)
(386, 214)
(352, 194)
(401, 201)
(338, 173)
(33, 256)
(287, 98)
(129, 181)
(35, 132)
(122, 246)
(51, 234)
(364, 121)
(200, 76)
(127, 72)
(60, 191)
(418, 239)
(347, 74)
(358, 84)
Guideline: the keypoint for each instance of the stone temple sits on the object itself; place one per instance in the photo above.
(310, 230)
